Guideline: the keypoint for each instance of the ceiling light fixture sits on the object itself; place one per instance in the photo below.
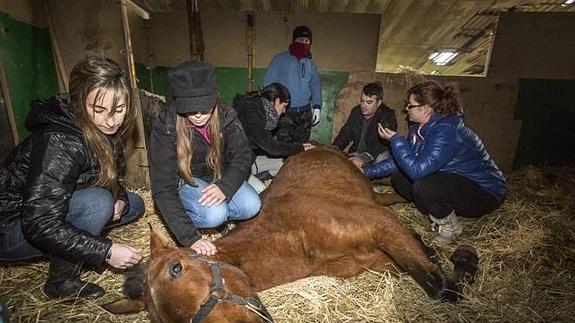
(442, 57)
(568, 2)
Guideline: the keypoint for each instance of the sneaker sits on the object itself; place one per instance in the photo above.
(447, 228)
(264, 176)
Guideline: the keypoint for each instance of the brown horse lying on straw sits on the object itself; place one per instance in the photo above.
(319, 216)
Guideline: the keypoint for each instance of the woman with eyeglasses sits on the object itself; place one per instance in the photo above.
(442, 166)
(200, 159)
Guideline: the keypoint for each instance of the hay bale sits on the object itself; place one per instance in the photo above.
(526, 250)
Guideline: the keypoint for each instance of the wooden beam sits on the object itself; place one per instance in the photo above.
(139, 175)
(8, 104)
(138, 10)
(195, 31)
(250, 44)
(61, 68)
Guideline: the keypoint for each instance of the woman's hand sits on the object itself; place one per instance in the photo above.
(385, 133)
(358, 162)
(123, 256)
(308, 146)
(204, 247)
(212, 196)
(118, 210)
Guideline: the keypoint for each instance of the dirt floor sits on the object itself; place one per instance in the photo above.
(527, 263)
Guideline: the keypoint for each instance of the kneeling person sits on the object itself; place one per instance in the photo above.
(360, 129)
(260, 112)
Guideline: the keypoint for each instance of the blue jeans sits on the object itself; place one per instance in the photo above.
(244, 204)
(90, 209)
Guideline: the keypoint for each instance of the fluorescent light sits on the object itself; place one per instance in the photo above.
(569, 1)
(443, 57)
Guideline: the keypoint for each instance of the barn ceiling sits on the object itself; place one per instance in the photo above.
(410, 30)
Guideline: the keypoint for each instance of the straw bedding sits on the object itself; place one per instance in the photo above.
(527, 262)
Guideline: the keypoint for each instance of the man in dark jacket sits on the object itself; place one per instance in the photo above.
(360, 129)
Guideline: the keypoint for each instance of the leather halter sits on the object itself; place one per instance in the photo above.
(218, 294)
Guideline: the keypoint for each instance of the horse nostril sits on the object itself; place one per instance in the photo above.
(175, 270)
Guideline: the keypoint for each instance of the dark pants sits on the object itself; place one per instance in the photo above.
(294, 126)
(440, 194)
(90, 209)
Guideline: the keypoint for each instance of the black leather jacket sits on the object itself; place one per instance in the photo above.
(38, 178)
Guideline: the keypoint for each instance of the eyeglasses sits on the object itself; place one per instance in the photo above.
(410, 106)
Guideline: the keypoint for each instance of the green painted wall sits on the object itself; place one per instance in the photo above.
(232, 81)
(154, 80)
(547, 109)
(26, 56)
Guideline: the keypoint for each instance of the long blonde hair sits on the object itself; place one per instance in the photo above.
(185, 150)
(104, 76)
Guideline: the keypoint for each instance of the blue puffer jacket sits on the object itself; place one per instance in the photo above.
(444, 144)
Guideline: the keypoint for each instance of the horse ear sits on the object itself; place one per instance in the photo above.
(158, 242)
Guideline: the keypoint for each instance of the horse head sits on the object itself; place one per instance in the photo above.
(179, 285)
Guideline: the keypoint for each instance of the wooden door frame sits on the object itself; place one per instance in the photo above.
(8, 105)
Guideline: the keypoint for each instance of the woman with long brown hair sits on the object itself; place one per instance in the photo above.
(200, 159)
(62, 186)
(442, 166)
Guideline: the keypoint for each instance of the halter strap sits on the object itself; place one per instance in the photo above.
(218, 294)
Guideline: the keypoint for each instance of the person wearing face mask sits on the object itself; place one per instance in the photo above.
(259, 112)
(360, 129)
(296, 70)
(61, 187)
(442, 166)
(200, 159)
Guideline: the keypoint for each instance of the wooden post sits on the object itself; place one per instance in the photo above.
(195, 31)
(8, 104)
(62, 72)
(139, 175)
(250, 48)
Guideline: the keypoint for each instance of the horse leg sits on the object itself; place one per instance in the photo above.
(407, 252)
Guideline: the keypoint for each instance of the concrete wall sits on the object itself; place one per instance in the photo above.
(336, 45)
(534, 45)
(28, 11)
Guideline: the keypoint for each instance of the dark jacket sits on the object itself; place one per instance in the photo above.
(253, 117)
(351, 131)
(38, 178)
(444, 144)
(164, 172)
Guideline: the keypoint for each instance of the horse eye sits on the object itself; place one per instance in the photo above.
(175, 270)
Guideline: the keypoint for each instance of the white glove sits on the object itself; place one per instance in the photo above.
(315, 117)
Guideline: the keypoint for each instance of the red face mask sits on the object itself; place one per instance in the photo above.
(299, 50)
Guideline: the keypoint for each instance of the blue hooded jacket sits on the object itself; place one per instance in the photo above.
(444, 144)
(299, 76)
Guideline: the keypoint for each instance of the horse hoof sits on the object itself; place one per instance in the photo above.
(465, 256)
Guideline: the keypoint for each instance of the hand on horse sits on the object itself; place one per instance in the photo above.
(358, 162)
(123, 256)
(118, 210)
(212, 196)
(204, 247)
(308, 146)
